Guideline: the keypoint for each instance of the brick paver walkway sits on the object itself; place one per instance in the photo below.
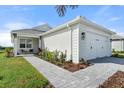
(89, 77)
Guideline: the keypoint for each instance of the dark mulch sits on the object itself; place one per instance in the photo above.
(75, 67)
(70, 66)
(115, 81)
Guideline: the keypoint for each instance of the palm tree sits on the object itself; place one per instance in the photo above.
(61, 9)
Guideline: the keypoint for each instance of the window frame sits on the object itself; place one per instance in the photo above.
(25, 43)
(30, 43)
(22, 43)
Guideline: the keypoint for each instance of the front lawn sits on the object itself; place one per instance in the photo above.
(16, 72)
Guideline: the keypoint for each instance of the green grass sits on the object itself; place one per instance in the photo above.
(16, 72)
(119, 55)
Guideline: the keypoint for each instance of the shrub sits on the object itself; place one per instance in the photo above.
(82, 61)
(53, 56)
(8, 52)
(59, 63)
(56, 55)
(122, 52)
(115, 55)
(63, 56)
(50, 56)
(113, 50)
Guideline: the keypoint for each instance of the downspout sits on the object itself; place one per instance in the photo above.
(68, 26)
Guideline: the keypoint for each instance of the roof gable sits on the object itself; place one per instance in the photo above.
(44, 27)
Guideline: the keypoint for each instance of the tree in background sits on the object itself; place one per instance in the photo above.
(61, 9)
(2, 48)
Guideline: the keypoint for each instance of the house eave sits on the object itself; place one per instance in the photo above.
(13, 31)
(77, 20)
(90, 23)
(65, 25)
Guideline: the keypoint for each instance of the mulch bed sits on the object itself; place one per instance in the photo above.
(75, 67)
(115, 81)
(70, 66)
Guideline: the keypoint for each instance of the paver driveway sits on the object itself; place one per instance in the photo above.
(89, 77)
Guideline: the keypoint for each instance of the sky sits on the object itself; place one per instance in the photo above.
(18, 17)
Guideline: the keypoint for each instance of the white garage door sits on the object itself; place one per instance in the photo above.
(97, 46)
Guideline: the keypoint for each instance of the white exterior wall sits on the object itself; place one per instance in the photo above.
(96, 43)
(118, 45)
(59, 40)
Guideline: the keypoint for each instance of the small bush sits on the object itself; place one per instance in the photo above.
(53, 56)
(56, 55)
(63, 57)
(115, 55)
(121, 51)
(59, 63)
(113, 50)
(8, 52)
(82, 61)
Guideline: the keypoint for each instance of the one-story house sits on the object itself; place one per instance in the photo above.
(81, 38)
(118, 43)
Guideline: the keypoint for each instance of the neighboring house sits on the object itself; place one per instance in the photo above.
(118, 43)
(80, 37)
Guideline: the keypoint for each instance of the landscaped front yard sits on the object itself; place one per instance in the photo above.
(16, 72)
(59, 58)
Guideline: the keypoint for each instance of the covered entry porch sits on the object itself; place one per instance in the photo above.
(24, 45)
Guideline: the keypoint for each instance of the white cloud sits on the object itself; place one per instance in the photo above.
(102, 10)
(5, 38)
(24, 8)
(114, 19)
(16, 25)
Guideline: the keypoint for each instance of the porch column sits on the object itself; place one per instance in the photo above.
(15, 44)
(40, 42)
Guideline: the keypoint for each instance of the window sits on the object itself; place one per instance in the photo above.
(25, 43)
(22, 43)
(29, 43)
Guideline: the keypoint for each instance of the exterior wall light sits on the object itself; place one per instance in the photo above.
(82, 35)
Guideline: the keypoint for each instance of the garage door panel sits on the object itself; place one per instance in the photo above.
(97, 46)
